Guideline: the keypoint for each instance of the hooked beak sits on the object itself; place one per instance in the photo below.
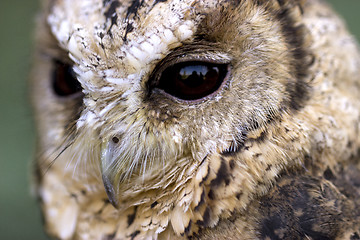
(109, 176)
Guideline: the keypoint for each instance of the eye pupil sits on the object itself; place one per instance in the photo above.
(195, 76)
(64, 80)
(192, 80)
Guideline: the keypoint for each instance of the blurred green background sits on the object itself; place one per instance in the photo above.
(19, 214)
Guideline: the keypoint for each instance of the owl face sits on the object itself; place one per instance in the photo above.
(141, 91)
(160, 118)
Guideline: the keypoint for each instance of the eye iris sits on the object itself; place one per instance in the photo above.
(191, 81)
(64, 80)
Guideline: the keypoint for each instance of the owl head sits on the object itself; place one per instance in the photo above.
(150, 98)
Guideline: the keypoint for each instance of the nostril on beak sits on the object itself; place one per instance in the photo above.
(115, 140)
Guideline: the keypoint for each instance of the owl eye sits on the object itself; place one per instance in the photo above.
(192, 80)
(64, 80)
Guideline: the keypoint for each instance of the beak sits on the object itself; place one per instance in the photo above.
(108, 166)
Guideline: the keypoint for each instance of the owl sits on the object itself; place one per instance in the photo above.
(196, 119)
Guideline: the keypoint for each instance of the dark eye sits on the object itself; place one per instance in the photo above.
(64, 80)
(192, 80)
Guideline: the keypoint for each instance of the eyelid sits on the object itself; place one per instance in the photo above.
(215, 57)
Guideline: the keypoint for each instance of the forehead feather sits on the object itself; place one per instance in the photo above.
(128, 35)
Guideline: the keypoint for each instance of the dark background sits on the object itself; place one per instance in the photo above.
(19, 214)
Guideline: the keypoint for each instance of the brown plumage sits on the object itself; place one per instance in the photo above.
(197, 119)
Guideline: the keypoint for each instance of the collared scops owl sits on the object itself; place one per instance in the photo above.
(196, 119)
